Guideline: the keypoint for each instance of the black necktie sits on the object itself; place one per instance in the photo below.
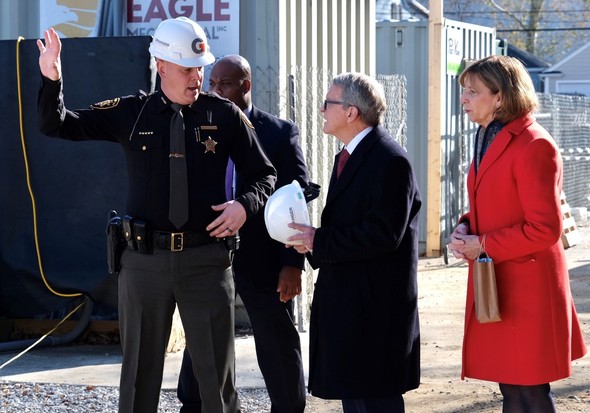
(178, 206)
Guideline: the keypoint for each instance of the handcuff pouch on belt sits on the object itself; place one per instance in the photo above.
(137, 234)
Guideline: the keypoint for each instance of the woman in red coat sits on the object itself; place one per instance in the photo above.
(514, 186)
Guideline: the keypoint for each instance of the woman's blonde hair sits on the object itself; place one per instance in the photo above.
(508, 77)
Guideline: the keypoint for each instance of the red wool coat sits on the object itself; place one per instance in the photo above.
(515, 200)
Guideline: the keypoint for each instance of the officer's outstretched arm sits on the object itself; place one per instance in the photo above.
(49, 55)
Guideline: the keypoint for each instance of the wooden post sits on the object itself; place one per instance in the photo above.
(433, 190)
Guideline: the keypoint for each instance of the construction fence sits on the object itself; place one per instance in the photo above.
(567, 118)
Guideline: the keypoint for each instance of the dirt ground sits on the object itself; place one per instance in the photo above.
(441, 304)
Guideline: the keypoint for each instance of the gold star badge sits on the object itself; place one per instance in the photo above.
(209, 145)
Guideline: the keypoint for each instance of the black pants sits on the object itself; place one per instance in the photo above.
(527, 399)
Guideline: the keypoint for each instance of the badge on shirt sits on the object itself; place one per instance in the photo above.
(209, 145)
(106, 104)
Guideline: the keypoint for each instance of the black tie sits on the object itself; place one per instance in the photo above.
(178, 206)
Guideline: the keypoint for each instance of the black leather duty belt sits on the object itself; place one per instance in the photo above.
(177, 241)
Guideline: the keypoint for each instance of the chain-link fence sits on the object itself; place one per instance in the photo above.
(567, 118)
(298, 96)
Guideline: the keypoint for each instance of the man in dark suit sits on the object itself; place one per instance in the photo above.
(364, 330)
(267, 275)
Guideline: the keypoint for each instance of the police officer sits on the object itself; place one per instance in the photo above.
(168, 262)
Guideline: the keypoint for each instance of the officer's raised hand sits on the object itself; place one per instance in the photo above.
(49, 61)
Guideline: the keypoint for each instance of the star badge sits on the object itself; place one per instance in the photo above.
(209, 145)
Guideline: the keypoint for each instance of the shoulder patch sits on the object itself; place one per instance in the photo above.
(106, 104)
(246, 120)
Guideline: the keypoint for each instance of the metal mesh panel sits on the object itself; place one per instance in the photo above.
(298, 96)
(266, 92)
(395, 119)
(567, 120)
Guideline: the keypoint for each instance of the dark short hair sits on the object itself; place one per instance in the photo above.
(508, 77)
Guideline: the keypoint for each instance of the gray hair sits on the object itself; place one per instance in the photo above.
(364, 93)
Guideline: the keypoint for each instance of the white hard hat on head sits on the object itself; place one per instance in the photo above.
(286, 205)
(181, 41)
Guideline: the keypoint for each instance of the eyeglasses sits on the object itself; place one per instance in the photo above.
(334, 102)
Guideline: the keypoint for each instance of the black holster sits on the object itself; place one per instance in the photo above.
(115, 242)
(232, 244)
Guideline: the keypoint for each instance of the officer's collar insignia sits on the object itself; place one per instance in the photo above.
(209, 145)
(106, 104)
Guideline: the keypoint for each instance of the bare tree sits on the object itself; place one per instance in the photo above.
(548, 29)
(529, 21)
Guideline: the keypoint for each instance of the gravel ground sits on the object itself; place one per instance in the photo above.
(62, 398)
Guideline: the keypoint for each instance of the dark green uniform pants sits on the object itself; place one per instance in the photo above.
(199, 281)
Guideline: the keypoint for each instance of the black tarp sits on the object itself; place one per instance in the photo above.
(74, 184)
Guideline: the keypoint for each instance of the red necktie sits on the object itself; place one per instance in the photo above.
(344, 155)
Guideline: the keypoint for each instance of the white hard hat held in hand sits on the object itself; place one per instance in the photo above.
(286, 205)
(182, 42)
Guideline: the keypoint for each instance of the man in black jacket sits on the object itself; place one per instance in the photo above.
(268, 275)
(364, 337)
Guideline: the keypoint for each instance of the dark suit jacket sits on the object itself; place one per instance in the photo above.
(259, 256)
(364, 332)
